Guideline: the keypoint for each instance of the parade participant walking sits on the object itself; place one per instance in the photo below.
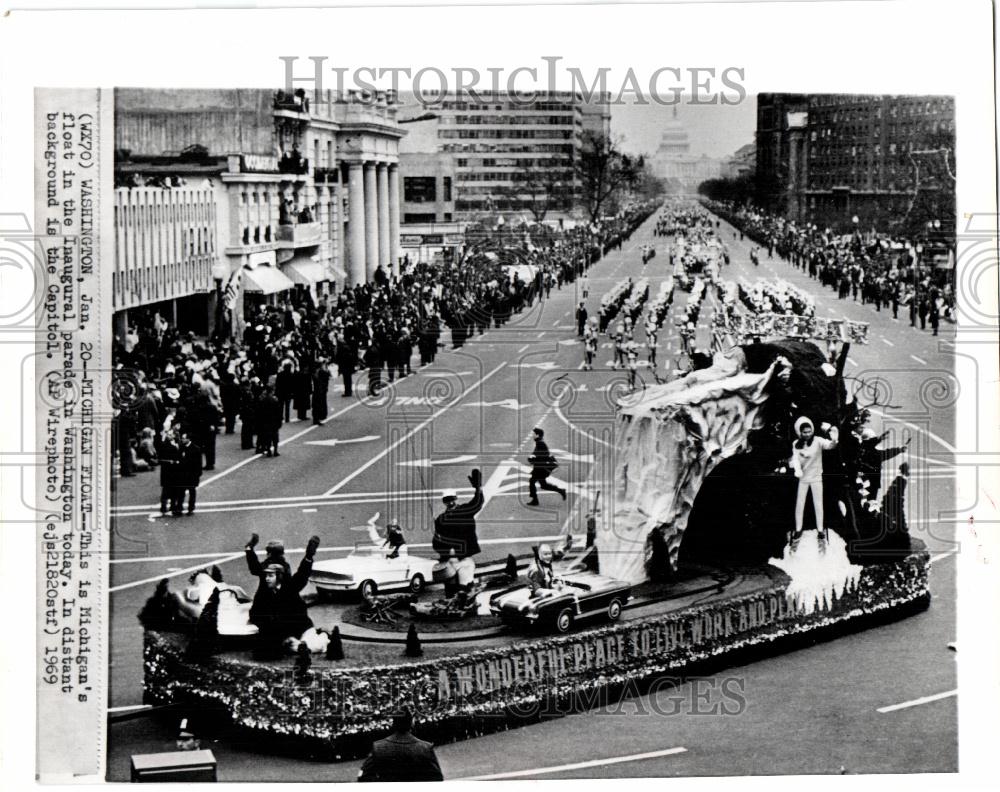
(542, 465)
(581, 319)
(632, 362)
(401, 756)
(589, 345)
(807, 462)
(619, 341)
(456, 540)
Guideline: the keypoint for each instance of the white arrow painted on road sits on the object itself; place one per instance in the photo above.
(430, 462)
(570, 342)
(510, 404)
(335, 441)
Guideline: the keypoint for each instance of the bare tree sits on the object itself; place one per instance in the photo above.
(603, 171)
(537, 190)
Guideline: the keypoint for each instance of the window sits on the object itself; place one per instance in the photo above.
(419, 189)
(446, 188)
(419, 217)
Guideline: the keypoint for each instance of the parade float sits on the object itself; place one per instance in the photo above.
(693, 566)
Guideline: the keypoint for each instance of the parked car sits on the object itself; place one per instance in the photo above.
(581, 596)
(369, 569)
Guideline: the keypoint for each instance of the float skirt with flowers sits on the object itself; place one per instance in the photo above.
(333, 709)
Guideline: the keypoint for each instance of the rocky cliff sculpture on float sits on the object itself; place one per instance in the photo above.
(701, 475)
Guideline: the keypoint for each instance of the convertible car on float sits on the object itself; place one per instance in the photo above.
(368, 570)
(582, 596)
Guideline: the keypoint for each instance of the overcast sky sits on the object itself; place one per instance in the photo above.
(715, 130)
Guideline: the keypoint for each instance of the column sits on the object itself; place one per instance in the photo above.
(356, 224)
(384, 250)
(394, 251)
(371, 220)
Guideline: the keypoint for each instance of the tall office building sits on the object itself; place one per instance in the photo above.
(465, 157)
(887, 160)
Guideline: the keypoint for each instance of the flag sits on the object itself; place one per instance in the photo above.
(232, 289)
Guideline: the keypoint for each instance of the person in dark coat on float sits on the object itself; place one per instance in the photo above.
(401, 756)
(320, 389)
(456, 540)
(278, 609)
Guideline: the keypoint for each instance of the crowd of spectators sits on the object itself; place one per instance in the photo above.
(877, 269)
(173, 383)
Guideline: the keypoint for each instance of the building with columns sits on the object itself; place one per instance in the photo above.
(303, 193)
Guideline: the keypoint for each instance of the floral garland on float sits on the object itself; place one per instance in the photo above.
(335, 710)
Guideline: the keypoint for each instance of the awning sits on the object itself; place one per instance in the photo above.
(305, 271)
(265, 280)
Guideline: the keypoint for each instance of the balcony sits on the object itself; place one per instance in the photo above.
(296, 102)
(300, 234)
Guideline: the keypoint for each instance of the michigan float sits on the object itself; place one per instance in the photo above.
(746, 517)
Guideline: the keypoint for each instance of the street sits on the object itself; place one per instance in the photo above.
(816, 710)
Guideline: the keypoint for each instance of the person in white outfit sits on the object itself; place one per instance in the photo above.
(807, 462)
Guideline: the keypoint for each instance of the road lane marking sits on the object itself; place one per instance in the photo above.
(218, 560)
(308, 511)
(575, 428)
(478, 383)
(917, 702)
(919, 360)
(577, 765)
(523, 348)
(303, 499)
(250, 459)
(851, 360)
(887, 341)
(939, 556)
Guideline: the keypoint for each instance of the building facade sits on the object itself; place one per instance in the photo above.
(888, 161)
(302, 194)
(467, 157)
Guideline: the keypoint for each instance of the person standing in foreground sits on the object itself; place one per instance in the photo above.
(542, 464)
(401, 756)
(807, 462)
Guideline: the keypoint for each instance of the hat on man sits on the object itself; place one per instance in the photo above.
(449, 495)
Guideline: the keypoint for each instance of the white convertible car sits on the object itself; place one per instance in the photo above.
(368, 570)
